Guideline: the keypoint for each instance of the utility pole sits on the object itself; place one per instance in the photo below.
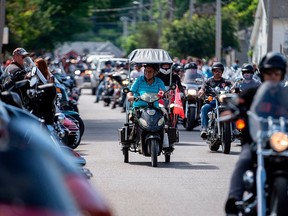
(191, 9)
(2, 24)
(269, 26)
(218, 30)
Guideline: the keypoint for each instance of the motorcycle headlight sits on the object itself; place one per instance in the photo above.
(151, 112)
(143, 122)
(161, 121)
(192, 92)
(125, 82)
(279, 141)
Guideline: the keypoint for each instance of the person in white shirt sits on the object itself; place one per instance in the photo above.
(137, 72)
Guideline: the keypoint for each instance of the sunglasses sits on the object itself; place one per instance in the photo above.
(217, 71)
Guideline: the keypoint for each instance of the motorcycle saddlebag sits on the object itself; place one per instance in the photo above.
(173, 135)
(121, 134)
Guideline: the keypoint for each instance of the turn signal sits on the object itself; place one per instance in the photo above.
(240, 124)
(279, 141)
(210, 98)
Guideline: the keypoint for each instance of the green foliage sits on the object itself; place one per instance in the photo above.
(243, 11)
(145, 37)
(39, 24)
(197, 36)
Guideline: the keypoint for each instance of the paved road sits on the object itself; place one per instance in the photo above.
(194, 183)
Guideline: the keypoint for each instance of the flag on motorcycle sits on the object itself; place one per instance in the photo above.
(178, 106)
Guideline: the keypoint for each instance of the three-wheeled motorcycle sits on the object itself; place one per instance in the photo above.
(154, 134)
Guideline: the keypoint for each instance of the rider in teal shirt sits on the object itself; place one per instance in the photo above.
(146, 84)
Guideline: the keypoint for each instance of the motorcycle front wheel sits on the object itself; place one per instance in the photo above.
(191, 120)
(279, 197)
(226, 137)
(154, 148)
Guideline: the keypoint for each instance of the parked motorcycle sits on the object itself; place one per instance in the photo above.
(37, 179)
(218, 133)
(192, 104)
(266, 186)
(152, 135)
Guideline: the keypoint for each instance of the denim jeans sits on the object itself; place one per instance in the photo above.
(204, 115)
(100, 89)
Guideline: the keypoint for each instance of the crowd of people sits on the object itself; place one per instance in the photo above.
(156, 77)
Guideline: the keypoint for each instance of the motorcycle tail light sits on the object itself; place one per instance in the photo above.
(279, 141)
(240, 124)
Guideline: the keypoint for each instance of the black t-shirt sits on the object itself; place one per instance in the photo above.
(166, 79)
(246, 99)
(211, 82)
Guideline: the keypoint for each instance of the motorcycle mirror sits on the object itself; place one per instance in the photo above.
(126, 90)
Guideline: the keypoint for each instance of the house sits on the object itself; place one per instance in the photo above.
(270, 30)
(88, 47)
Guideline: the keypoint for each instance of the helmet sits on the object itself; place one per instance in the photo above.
(176, 67)
(191, 65)
(247, 68)
(217, 65)
(273, 60)
(165, 68)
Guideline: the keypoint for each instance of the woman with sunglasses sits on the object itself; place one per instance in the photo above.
(212, 82)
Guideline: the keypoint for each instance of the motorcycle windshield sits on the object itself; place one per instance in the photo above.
(149, 97)
(270, 102)
(190, 78)
(30, 66)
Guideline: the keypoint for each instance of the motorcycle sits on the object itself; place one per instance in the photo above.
(192, 104)
(266, 186)
(153, 134)
(26, 152)
(150, 132)
(218, 133)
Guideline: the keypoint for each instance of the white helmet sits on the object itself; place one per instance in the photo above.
(165, 68)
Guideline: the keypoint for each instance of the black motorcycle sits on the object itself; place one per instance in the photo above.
(266, 186)
(192, 104)
(218, 133)
(152, 135)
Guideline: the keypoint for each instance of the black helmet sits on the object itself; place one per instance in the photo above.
(176, 67)
(218, 65)
(191, 65)
(247, 68)
(273, 60)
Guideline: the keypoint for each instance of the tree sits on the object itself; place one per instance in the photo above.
(196, 37)
(38, 24)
